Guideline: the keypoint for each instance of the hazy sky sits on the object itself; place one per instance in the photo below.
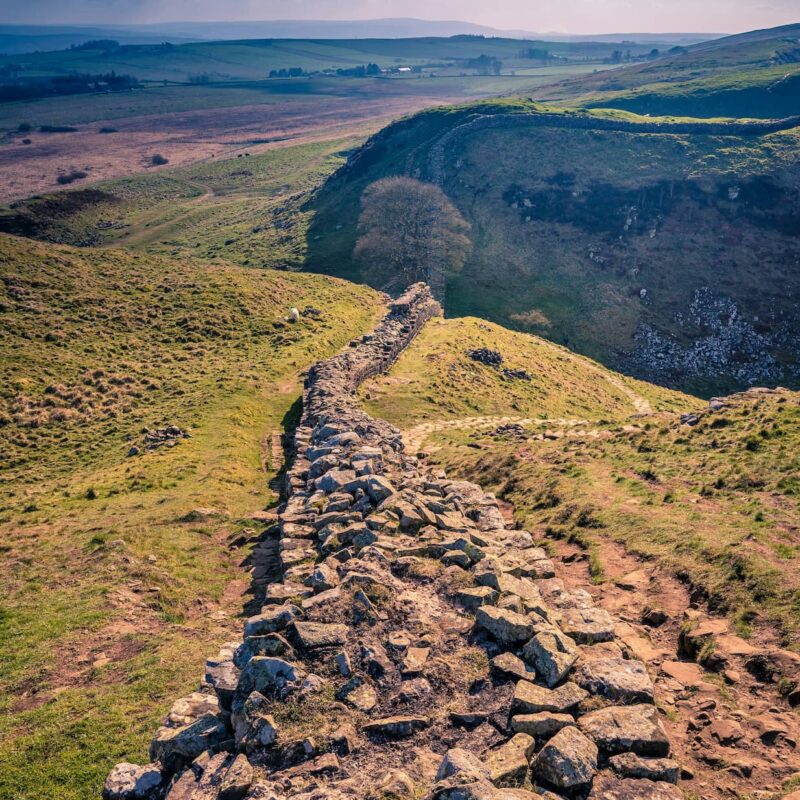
(572, 16)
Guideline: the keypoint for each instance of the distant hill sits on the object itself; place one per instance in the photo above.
(19, 39)
(755, 74)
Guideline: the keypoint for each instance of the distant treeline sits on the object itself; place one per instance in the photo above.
(360, 71)
(66, 84)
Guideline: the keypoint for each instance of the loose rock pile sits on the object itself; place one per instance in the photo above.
(413, 646)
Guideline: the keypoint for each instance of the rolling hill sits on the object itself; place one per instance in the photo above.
(118, 570)
(755, 74)
(663, 248)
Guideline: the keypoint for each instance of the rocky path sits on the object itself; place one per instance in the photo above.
(407, 642)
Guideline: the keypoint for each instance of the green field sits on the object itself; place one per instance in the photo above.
(111, 601)
(751, 75)
(253, 59)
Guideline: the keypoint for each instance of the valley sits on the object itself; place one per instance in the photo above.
(269, 532)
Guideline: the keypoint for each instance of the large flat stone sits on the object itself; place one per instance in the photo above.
(610, 787)
(507, 627)
(552, 654)
(621, 680)
(619, 729)
(531, 699)
(587, 625)
(567, 762)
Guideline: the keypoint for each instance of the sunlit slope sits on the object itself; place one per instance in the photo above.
(112, 597)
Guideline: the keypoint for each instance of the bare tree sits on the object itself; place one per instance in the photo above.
(409, 231)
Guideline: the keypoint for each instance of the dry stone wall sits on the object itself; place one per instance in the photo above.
(413, 645)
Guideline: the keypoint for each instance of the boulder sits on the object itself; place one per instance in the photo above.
(271, 620)
(319, 635)
(552, 654)
(472, 599)
(237, 781)
(267, 675)
(610, 787)
(507, 664)
(174, 748)
(463, 763)
(334, 480)
(567, 762)
(508, 764)
(587, 625)
(132, 782)
(622, 680)
(507, 627)
(359, 694)
(617, 729)
(629, 765)
(531, 699)
(542, 725)
(396, 727)
(272, 644)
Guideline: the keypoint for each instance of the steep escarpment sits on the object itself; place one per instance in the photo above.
(410, 642)
(665, 250)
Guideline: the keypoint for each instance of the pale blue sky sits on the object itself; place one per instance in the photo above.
(571, 16)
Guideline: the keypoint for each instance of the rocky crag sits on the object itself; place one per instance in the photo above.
(413, 644)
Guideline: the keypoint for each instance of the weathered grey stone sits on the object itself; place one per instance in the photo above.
(567, 762)
(587, 625)
(176, 747)
(508, 764)
(618, 729)
(466, 765)
(132, 782)
(541, 725)
(531, 699)
(272, 644)
(507, 627)
(323, 578)
(359, 694)
(552, 654)
(271, 620)
(472, 599)
(609, 787)
(396, 727)
(334, 480)
(319, 635)
(267, 675)
(237, 781)
(629, 765)
(622, 680)
(511, 665)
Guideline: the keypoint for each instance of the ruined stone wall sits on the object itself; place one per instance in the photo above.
(412, 644)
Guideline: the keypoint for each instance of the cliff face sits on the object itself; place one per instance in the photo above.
(409, 642)
(666, 250)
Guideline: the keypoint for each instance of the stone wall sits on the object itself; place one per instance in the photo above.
(414, 645)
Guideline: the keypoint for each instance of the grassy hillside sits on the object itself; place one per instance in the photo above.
(716, 503)
(111, 600)
(245, 209)
(437, 379)
(751, 75)
(668, 255)
(252, 59)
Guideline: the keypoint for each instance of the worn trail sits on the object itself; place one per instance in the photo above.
(408, 643)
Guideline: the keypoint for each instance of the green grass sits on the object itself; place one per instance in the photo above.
(437, 380)
(740, 76)
(247, 210)
(97, 345)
